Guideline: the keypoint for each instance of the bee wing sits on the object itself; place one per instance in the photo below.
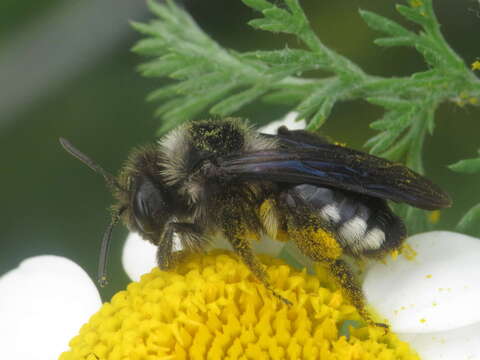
(338, 167)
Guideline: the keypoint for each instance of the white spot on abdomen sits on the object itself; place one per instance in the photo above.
(374, 239)
(330, 212)
(353, 230)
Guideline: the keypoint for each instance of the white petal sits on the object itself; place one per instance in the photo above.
(268, 246)
(43, 304)
(288, 121)
(263, 246)
(436, 291)
(139, 256)
(462, 343)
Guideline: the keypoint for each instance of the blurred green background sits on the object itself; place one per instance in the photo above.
(66, 70)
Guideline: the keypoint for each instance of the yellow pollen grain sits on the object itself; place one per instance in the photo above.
(211, 307)
(434, 216)
(394, 254)
(416, 3)
(429, 276)
(408, 252)
(475, 65)
(423, 320)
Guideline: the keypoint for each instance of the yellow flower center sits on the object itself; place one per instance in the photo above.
(211, 307)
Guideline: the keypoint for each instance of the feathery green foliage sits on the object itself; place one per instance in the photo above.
(208, 77)
(470, 222)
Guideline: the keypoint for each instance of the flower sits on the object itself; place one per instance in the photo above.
(22, 322)
(43, 302)
(36, 282)
(432, 300)
(211, 307)
(445, 271)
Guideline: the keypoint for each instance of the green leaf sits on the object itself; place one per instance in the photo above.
(288, 56)
(235, 102)
(382, 141)
(414, 156)
(470, 221)
(416, 220)
(322, 114)
(430, 119)
(320, 103)
(380, 23)
(168, 106)
(286, 96)
(391, 102)
(165, 92)
(198, 72)
(258, 5)
(431, 55)
(394, 41)
(393, 121)
(467, 166)
(143, 28)
(193, 105)
(414, 14)
(163, 66)
(148, 47)
(399, 149)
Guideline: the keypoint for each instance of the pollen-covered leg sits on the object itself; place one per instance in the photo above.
(312, 237)
(191, 239)
(171, 260)
(242, 248)
(320, 244)
(351, 288)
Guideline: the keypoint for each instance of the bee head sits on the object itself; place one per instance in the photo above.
(150, 208)
(143, 202)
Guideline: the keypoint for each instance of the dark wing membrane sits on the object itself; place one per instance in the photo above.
(337, 167)
(297, 138)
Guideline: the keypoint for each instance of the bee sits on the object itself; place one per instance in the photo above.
(221, 177)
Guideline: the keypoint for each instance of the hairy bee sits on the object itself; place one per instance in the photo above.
(221, 177)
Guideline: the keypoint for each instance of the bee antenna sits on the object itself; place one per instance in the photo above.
(72, 150)
(105, 249)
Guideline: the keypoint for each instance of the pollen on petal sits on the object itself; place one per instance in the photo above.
(211, 307)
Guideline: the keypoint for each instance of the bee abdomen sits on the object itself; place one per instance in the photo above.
(363, 224)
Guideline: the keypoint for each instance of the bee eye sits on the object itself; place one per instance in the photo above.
(150, 208)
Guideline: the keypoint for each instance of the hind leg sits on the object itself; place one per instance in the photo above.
(320, 245)
(351, 288)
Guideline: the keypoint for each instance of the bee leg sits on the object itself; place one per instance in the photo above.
(190, 237)
(243, 249)
(164, 249)
(351, 288)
